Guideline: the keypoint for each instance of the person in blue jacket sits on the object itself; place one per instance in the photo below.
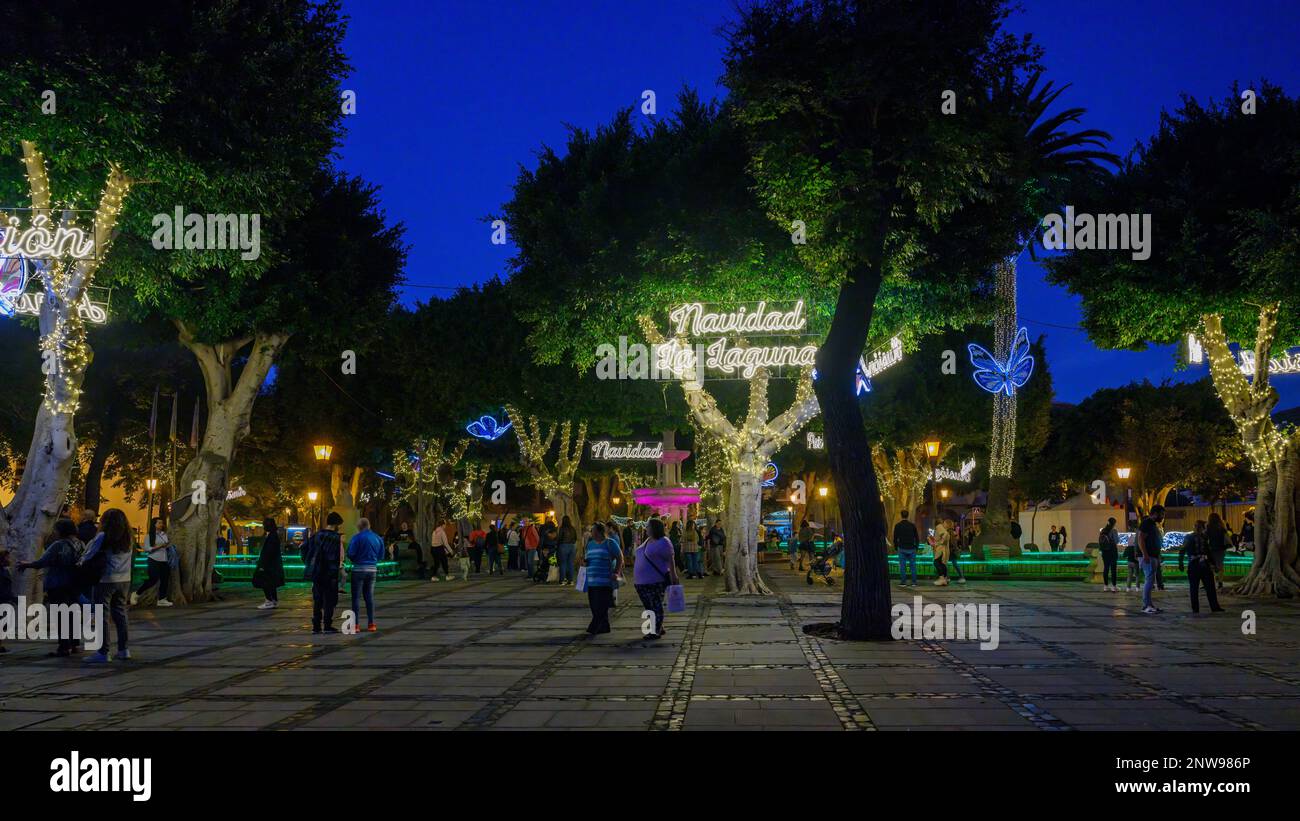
(365, 551)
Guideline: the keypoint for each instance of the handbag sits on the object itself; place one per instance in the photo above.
(676, 598)
(581, 583)
(553, 575)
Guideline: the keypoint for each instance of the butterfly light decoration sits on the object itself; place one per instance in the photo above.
(13, 279)
(487, 428)
(997, 377)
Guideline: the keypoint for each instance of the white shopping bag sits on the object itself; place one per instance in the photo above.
(581, 584)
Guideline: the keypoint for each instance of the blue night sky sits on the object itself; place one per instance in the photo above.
(453, 96)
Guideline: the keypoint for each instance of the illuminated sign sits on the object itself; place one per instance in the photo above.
(877, 362)
(726, 354)
(487, 428)
(996, 377)
(39, 241)
(1287, 363)
(961, 475)
(13, 279)
(29, 304)
(815, 441)
(769, 474)
(607, 450)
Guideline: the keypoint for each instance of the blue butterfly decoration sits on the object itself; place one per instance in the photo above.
(487, 428)
(770, 473)
(995, 377)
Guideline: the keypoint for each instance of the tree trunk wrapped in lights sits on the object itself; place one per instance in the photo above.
(197, 512)
(65, 355)
(713, 460)
(902, 475)
(465, 495)
(556, 483)
(996, 526)
(747, 450)
(1274, 454)
(423, 474)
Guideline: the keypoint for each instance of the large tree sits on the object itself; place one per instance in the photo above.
(1221, 184)
(884, 127)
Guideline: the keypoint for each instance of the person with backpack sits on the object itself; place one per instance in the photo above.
(954, 549)
(906, 541)
(492, 546)
(108, 559)
(365, 550)
(603, 559)
(653, 572)
(717, 543)
(322, 559)
(1108, 545)
(568, 547)
(440, 545)
(59, 561)
(477, 542)
(158, 568)
(269, 574)
(1198, 548)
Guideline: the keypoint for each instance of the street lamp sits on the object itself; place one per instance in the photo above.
(311, 497)
(152, 485)
(322, 454)
(932, 454)
(943, 493)
(1123, 472)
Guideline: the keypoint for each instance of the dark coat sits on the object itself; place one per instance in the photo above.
(269, 574)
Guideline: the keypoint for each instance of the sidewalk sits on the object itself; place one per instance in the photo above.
(502, 653)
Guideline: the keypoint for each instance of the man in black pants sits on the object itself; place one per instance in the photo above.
(322, 558)
(1200, 570)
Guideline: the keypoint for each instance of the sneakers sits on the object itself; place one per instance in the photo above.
(96, 658)
(135, 599)
(445, 578)
(164, 603)
(962, 580)
(266, 605)
(941, 582)
(123, 655)
(435, 579)
(372, 628)
(330, 630)
(1152, 610)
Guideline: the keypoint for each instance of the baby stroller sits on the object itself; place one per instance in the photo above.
(823, 565)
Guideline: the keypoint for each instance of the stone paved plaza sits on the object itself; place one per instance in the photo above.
(501, 653)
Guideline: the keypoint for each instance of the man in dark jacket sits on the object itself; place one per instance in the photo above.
(906, 541)
(322, 556)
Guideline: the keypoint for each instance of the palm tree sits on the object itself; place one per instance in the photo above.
(1048, 162)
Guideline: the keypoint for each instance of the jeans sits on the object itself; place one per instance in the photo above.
(494, 560)
(1149, 569)
(715, 559)
(363, 583)
(652, 599)
(65, 595)
(1110, 567)
(324, 598)
(693, 565)
(567, 552)
(464, 568)
(1134, 574)
(1160, 574)
(476, 556)
(906, 560)
(940, 568)
(1200, 572)
(530, 561)
(440, 561)
(512, 563)
(601, 599)
(160, 574)
(956, 567)
(113, 595)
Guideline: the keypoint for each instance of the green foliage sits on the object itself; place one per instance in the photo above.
(1223, 191)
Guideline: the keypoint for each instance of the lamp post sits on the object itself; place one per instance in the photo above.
(152, 485)
(311, 497)
(1123, 472)
(821, 494)
(322, 454)
(932, 454)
